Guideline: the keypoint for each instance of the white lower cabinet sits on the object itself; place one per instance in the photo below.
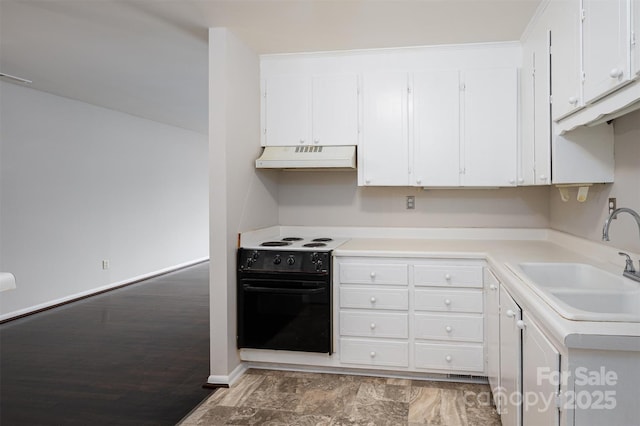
(423, 315)
(510, 360)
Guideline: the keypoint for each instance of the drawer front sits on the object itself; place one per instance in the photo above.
(374, 273)
(374, 298)
(468, 357)
(372, 352)
(454, 327)
(448, 276)
(445, 300)
(374, 324)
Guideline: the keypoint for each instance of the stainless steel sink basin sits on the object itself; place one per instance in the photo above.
(579, 291)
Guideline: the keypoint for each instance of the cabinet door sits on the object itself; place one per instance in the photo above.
(286, 110)
(335, 110)
(535, 148)
(436, 128)
(490, 127)
(385, 146)
(566, 67)
(605, 34)
(510, 365)
(492, 318)
(540, 373)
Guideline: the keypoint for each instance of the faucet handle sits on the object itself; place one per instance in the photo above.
(629, 263)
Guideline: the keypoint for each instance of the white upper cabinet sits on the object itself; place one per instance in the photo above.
(566, 67)
(490, 131)
(534, 166)
(286, 110)
(305, 110)
(606, 41)
(335, 109)
(384, 152)
(436, 128)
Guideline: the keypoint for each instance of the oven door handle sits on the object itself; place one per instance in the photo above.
(252, 289)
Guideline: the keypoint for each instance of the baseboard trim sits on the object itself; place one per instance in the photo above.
(85, 294)
(226, 381)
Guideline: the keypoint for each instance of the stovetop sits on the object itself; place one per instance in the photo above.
(318, 243)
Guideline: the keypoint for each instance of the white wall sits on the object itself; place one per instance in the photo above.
(79, 184)
(241, 198)
(586, 219)
(334, 199)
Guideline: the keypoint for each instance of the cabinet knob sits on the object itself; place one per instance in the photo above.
(615, 73)
(419, 181)
(373, 325)
(492, 287)
(448, 329)
(573, 100)
(367, 181)
(447, 302)
(512, 181)
(520, 324)
(373, 299)
(521, 180)
(316, 141)
(448, 358)
(510, 314)
(372, 274)
(543, 178)
(372, 354)
(447, 277)
(301, 141)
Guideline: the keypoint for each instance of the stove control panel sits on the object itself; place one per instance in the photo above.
(283, 261)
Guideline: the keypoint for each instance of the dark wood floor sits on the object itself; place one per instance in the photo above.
(138, 355)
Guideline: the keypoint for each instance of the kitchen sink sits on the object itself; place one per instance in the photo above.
(583, 292)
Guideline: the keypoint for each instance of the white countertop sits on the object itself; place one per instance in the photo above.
(556, 247)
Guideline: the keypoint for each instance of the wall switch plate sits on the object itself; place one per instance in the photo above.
(612, 205)
(411, 202)
(105, 264)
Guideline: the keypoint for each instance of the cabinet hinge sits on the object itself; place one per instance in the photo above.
(633, 38)
(583, 14)
(462, 87)
(264, 131)
(408, 89)
(264, 95)
(550, 99)
(583, 76)
(558, 400)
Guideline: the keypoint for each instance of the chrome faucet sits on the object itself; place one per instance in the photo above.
(629, 270)
(613, 215)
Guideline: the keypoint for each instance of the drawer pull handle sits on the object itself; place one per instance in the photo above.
(373, 325)
(373, 299)
(448, 329)
(447, 277)
(447, 302)
(373, 275)
(510, 314)
(492, 287)
(372, 354)
(448, 358)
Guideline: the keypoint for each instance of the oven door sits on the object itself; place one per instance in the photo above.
(291, 314)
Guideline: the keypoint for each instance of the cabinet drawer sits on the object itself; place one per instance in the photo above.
(373, 273)
(448, 276)
(446, 300)
(374, 298)
(469, 357)
(372, 352)
(374, 324)
(453, 327)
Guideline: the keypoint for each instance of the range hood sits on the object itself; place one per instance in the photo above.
(308, 157)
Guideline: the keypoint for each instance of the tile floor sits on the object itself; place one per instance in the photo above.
(268, 397)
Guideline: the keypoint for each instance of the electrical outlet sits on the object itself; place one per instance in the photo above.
(612, 205)
(411, 202)
(105, 264)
